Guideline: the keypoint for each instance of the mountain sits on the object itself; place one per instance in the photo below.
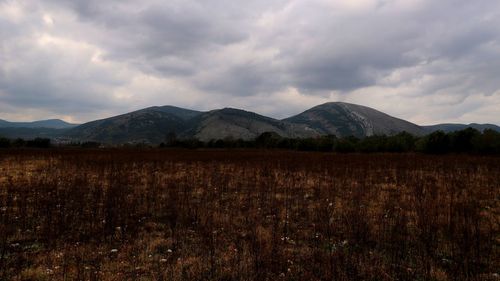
(183, 113)
(51, 124)
(149, 125)
(346, 119)
(240, 124)
(457, 127)
(154, 124)
(31, 133)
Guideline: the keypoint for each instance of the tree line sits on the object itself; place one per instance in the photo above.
(464, 141)
(21, 143)
(468, 140)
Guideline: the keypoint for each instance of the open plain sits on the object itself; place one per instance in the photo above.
(152, 214)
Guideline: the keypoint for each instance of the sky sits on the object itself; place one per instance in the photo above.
(425, 61)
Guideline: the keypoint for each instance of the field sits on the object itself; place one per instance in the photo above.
(119, 214)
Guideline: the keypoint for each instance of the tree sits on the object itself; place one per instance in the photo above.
(4, 142)
(402, 142)
(347, 144)
(38, 143)
(487, 142)
(462, 141)
(326, 143)
(437, 143)
(372, 144)
(170, 139)
(268, 140)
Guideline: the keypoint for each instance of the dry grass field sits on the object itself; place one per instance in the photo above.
(154, 214)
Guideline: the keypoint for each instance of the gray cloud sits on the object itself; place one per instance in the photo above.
(438, 61)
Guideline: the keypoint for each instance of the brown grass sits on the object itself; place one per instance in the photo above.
(247, 215)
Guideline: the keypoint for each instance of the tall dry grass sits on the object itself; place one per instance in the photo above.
(247, 215)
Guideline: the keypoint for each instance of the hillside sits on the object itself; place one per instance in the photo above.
(345, 119)
(240, 124)
(152, 125)
(149, 125)
(50, 124)
(31, 133)
(457, 127)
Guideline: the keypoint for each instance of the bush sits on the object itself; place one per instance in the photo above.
(4, 143)
(38, 143)
(34, 274)
(346, 145)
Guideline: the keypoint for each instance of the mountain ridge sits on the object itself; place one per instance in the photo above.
(237, 123)
(49, 123)
(148, 125)
(157, 123)
(451, 127)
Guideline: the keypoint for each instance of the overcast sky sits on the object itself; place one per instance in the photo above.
(426, 61)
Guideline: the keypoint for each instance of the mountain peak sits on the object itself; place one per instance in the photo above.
(345, 119)
(335, 103)
(232, 110)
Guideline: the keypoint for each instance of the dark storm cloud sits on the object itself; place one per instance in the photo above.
(243, 80)
(155, 29)
(355, 52)
(74, 56)
(43, 72)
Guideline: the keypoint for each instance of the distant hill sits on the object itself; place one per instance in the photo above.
(457, 127)
(51, 124)
(31, 133)
(149, 125)
(240, 124)
(346, 119)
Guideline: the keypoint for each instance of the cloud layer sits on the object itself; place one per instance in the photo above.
(422, 60)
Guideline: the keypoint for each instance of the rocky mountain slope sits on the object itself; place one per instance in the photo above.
(240, 124)
(345, 119)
